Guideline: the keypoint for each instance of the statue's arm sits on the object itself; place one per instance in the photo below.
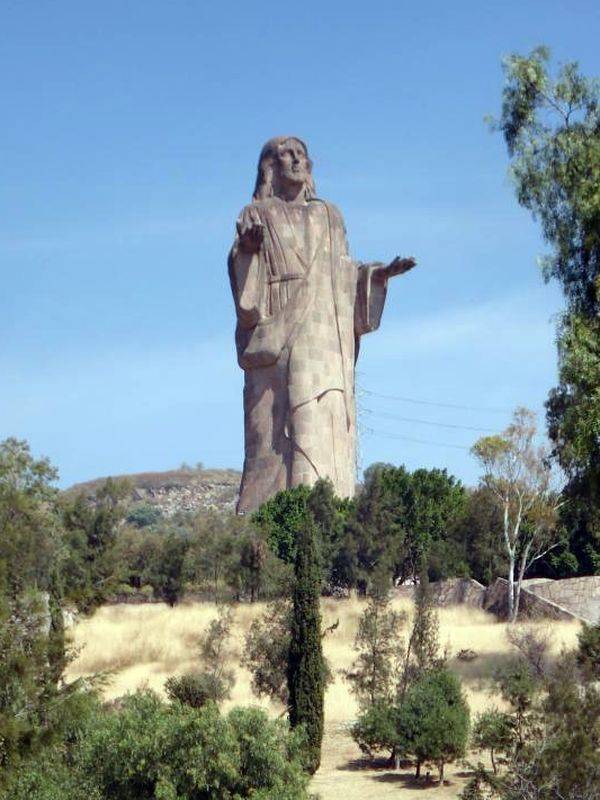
(246, 268)
(398, 266)
(371, 290)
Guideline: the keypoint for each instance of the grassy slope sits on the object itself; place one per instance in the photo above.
(145, 644)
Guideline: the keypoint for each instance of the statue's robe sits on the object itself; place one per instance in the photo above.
(302, 305)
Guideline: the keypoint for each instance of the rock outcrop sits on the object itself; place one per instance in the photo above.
(177, 490)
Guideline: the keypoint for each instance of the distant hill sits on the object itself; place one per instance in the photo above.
(185, 489)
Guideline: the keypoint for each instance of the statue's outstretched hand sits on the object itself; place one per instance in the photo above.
(250, 234)
(399, 266)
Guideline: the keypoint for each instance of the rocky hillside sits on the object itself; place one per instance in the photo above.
(185, 489)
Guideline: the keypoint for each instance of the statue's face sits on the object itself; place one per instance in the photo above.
(292, 163)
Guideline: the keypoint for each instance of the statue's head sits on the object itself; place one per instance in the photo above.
(283, 160)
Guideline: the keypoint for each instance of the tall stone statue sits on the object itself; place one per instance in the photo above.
(302, 305)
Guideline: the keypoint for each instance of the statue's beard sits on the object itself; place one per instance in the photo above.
(291, 181)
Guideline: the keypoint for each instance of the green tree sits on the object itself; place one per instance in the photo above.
(330, 515)
(150, 749)
(33, 652)
(168, 575)
(213, 558)
(519, 687)
(560, 755)
(92, 526)
(380, 646)
(266, 651)
(478, 534)
(306, 669)
(422, 653)
(494, 731)
(573, 412)
(433, 720)
(519, 477)
(551, 126)
(280, 518)
(375, 730)
(31, 533)
(400, 517)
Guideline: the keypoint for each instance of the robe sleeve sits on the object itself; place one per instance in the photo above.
(370, 299)
(247, 275)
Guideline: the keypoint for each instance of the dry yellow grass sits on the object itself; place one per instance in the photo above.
(142, 645)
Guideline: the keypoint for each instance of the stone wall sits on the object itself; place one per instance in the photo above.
(531, 606)
(452, 592)
(570, 599)
(579, 595)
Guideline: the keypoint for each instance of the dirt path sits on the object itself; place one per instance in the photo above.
(344, 775)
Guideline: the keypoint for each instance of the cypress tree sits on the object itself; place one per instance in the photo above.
(305, 672)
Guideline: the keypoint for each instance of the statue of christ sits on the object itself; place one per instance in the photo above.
(302, 305)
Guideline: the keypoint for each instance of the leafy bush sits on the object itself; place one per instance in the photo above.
(197, 688)
(588, 651)
(144, 515)
(49, 777)
(267, 645)
(150, 750)
(375, 729)
(494, 731)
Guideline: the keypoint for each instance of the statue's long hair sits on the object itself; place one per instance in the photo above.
(266, 168)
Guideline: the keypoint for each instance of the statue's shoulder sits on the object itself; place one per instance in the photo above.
(260, 207)
(334, 213)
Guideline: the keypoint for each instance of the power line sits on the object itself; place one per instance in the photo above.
(426, 422)
(391, 435)
(454, 406)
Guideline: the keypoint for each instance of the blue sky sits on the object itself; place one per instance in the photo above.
(129, 142)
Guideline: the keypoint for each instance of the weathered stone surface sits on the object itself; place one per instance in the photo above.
(530, 605)
(302, 304)
(569, 599)
(581, 596)
(451, 592)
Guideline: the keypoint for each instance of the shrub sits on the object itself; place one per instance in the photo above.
(588, 651)
(144, 515)
(375, 729)
(267, 645)
(48, 777)
(152, 750)
(494, 731)
(519, 688)
(197, 688)
(433, 720)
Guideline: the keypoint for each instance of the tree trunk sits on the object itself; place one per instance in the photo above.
(522, 568)
(441, 768)
(511, 588)
(517, 602)
(418, 772)
(494, 767)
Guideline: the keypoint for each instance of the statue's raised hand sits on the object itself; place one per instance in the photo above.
(251, 233)
(399, 266)
(396, 267)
